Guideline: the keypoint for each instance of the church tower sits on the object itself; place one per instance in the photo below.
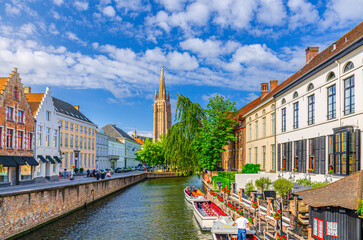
(162, 110)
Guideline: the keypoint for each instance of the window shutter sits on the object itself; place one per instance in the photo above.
(316, 153)
(303, 162)
(289, 162)
(278, 157)
(322, 155)
(357, 147)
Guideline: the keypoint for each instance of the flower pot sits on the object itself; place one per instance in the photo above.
(255, 206)
(277, 218)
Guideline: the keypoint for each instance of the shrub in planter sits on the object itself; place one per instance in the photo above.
(311, 170)
(360, 209)
(249, 188)
(76, 170)
(304, 182)
(263, 184)
(283, 186)
(81, 170)
(318, 184)
(251, 168)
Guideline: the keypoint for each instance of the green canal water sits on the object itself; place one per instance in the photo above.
(152, 209)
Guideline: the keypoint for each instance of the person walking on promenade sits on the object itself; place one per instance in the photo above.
(94, 173)
(108, 175)
(88, 173)
(98, 175)
(241, 222)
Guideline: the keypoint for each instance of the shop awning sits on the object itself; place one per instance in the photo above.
(50, 159)
(19, 160)
(7, 161)
(57, 159)
(42, 158)
(31, 161)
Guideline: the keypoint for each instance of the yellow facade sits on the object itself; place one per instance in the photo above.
(78, 145)
(260, 135)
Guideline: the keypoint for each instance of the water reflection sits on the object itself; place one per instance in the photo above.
(153, 209)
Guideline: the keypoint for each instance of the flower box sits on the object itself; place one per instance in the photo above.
(254, 205)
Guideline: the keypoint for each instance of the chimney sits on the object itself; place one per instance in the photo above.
(311, 52)
(76, 107)
(114, 125)
(273, 84)
(27, 89)
(264, 89)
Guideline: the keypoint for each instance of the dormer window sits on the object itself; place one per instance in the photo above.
(310, 87)
(295, 95)
(348, 66)
(331, 76)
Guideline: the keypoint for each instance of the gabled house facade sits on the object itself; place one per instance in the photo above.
(102, 156)
(16, 133)
(319, 111)
(47, 150)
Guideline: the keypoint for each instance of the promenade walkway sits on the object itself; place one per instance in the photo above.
(61, 182)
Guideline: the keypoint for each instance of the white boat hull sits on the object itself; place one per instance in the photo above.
(205, 222)
(192, 199)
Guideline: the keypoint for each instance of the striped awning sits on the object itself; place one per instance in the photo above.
(19, 160)
(57, 159)
(7, 161)
(31, 161)
(42, 158)
(50, 159)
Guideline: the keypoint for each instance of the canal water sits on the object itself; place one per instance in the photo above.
(152, 209)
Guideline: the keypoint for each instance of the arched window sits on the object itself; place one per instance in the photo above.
(310, 87)
(331, 76)
(295, 95)
(250, 119)
(263, 111)
(348, 66)
(273, 107)
(283, 101)
(256, 116)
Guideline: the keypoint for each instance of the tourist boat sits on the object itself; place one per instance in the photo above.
(223, 229)
(206, 212)
(196, 195)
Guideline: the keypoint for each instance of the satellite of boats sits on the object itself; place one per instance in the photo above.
(212, 218)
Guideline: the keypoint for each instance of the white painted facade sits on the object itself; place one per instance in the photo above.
(131, 148)
(102, 161)
(322, 127)
(116, 153)
(47, 139)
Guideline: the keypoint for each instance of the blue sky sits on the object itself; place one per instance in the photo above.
(106, 55)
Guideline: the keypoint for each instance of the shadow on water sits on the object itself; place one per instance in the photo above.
(152, 209)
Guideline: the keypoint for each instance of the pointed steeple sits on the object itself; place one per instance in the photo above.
(156, 96)
(168, 96)
(162, 92)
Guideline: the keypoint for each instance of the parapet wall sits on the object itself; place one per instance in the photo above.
(20, 212)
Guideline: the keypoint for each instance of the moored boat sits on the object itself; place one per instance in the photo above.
(191, 196)
(223, 229)
(206, 212)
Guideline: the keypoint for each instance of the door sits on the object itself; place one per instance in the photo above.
(17, 173)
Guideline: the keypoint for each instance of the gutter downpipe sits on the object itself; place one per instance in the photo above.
(35, 144)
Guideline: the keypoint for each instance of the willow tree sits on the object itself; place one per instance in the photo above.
(215, 131)
(179, 151)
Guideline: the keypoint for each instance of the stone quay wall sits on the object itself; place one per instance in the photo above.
(21, 212)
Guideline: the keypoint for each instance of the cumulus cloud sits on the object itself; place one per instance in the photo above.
(302, 13)
(109, 11)
(81, 6)
(58, 2)
(209, 47)
(271, 12)
(72, 36)
(182, 61)
(11, 10)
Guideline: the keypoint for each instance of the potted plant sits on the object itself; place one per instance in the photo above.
(283, 169)
(360, 209)
(280, 237)
(81, 170)
(250, 219)
(331, 171)
(254, 204)
(278, 215)
(295, 170)
(311, 170)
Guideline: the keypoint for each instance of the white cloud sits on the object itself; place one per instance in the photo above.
(302, 13)
(58, 2)
(72, 36)
(206, 98)
(209, 48)
(53, 29)
(182, 61)
(271, 12)
(11, 10)
(173, 5)
(27, 29)
(134, 6)
(81, 6)
(109, 11)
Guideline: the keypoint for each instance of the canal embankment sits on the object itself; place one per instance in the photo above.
(26, 210)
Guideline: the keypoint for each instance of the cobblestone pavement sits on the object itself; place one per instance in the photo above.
(61, 182)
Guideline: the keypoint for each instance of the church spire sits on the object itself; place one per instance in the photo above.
(156, 96)
(162, 92)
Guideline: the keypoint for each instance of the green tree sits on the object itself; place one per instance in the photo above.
(249, 187)
(179, 151)
(263, 183)
(215, 131)
(151, 153)
(282, 186)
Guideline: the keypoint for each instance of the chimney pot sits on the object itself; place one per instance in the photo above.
(311, 52)
(264, 89)
(27, 89)
(76, 107)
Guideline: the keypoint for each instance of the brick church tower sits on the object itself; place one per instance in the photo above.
(162, 110)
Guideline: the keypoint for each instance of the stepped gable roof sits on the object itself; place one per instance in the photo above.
(34, 100)
(346, 193)
(68, 109)
(354, 35)
(116, 132)
(3, 81)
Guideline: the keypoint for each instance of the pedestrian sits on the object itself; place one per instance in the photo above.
(108, 175)
(94, 173)
(241, 222)
(88, 173)
(98, 176)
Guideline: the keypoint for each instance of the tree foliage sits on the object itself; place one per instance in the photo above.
(179, 151)
(282, 186)
(215, 131)
(151, 153)
(263, 183)
(249, 187)
(251, 168)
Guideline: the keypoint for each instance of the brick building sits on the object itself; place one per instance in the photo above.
(16, 133)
